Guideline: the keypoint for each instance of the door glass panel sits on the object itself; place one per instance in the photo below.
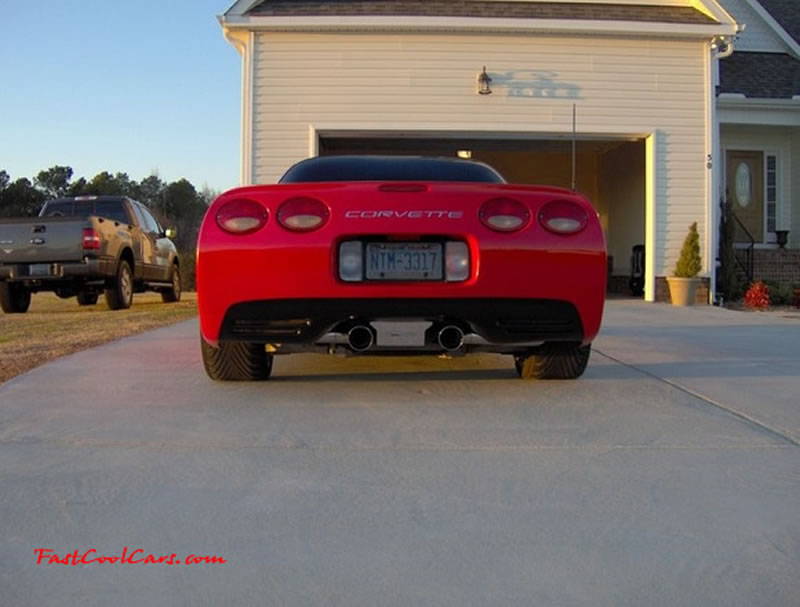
(744, 184)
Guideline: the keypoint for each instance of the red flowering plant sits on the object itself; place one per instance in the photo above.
(757, 296)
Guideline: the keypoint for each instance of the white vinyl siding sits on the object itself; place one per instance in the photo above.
(427, 82)
(758, 35)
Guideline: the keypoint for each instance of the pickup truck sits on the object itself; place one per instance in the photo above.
(83, 246)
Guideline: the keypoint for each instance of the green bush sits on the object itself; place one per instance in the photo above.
(779, 295)
(689, 265)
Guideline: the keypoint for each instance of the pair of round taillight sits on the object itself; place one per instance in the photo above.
(241, 216)
(303, 214)
(509, 215)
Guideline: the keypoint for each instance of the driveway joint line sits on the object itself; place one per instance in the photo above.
(742, 417)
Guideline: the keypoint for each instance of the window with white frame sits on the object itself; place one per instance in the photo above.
(771, 202)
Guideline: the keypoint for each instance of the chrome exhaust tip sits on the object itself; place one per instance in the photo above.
(451, 338)
(360, 338)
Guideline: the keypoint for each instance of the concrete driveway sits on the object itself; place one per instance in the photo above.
(668, 475)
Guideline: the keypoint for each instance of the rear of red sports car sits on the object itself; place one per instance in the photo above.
(399, 255)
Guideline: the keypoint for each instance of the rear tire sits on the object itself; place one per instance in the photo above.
(14, 298)
(119, 295)
(87, 298)
(173, 294)
(236, 361)
(569, 363)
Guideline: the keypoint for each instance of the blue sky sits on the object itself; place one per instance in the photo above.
(135, 86)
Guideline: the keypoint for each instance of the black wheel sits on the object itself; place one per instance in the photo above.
(14, 298)
(173, 294)
(567, 363)
(87, 298)
(236, 361)
(119, 294)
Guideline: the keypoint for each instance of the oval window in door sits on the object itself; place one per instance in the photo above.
(744, 184)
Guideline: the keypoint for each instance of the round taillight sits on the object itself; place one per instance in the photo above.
(242, 216)
(303, 214)
(504, 215)
(563, 217)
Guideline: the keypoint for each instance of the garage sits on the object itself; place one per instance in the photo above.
(609, 171)
(499, 81)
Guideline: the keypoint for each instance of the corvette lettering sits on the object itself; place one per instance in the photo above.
(404, 214)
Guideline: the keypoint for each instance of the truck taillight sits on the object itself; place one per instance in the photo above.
(91, 239)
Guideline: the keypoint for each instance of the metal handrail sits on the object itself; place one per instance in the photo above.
(748, 265)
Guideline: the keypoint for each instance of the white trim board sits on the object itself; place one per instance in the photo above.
(480, 24)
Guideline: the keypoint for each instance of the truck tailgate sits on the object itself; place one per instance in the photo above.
(42, 240)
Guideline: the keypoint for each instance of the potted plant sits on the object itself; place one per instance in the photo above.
(683, 283)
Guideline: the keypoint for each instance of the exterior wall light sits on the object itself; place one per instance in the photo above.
(465, 154)
(484, 83)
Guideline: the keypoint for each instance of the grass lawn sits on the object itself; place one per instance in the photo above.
(54, 327)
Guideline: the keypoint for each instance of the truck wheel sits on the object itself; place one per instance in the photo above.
(173, 294)
(87, 298)
(569, 363)
(119, 295)
(236, 361)
(14, 298)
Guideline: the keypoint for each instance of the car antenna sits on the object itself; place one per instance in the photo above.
(574, 144)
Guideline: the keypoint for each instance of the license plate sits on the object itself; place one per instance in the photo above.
(404, 261)
(39, 269)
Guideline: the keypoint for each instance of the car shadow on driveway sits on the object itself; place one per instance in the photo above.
(403, 376)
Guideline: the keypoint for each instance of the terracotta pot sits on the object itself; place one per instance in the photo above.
(682, 290)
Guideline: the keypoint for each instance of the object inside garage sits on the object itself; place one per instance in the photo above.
(609, 171)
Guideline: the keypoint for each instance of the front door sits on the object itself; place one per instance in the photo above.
(745, 186)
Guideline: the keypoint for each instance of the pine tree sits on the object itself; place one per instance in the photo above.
(688, 265)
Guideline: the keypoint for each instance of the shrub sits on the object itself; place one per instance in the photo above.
(757, 296)
(779, 295)
(689, 265)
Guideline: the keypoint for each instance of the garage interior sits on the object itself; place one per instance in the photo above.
(609, 171)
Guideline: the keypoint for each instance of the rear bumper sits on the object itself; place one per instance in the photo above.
(292, 295)
(59, 272)
(497, 321)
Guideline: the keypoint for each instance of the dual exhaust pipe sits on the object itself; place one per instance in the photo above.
(362, 337)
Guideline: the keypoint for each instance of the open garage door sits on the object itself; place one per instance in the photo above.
(610, 172)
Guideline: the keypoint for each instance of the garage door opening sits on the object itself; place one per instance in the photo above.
(610, 172)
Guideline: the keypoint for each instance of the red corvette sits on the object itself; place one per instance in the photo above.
(399, 255)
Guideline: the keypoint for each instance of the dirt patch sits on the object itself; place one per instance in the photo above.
(56, 327)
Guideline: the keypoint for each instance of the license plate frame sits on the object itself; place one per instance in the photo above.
(39, 269)
(420, 261)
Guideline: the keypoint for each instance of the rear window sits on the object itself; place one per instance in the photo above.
(111, 209)
(389, 168)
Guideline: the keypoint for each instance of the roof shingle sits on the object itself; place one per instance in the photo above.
(787, 13)
(760, 75)
(482, 8)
